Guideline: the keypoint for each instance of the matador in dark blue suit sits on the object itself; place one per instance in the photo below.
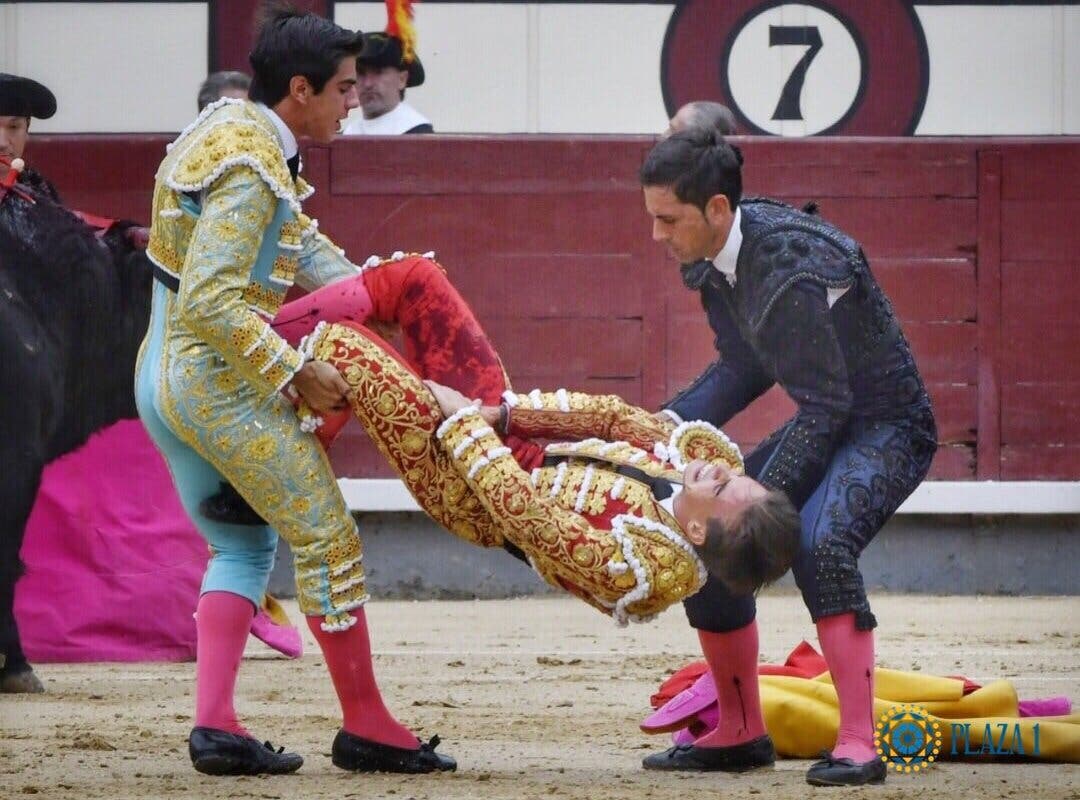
(792, 301)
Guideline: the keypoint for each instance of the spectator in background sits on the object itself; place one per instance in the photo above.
(223, 84)
(387, 67)
(702, 114)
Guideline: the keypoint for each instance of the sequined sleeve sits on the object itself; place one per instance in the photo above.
(321, 261)
(573, 416)
(236, 210)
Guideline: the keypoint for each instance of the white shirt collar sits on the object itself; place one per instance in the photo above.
(288, 139)
(728, 256)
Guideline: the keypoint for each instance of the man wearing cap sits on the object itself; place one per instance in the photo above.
(60, 273)
(21, 99)
(387, 67)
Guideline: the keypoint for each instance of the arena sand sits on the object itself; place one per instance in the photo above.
(535, 697)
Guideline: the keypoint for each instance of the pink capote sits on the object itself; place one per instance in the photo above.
(113, 565)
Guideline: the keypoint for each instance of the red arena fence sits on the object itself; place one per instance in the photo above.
(975, 240)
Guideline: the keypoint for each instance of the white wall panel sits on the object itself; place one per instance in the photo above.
(993, 69)
(475, 56)
(114, 67)
(599, 68)
(1070, 88)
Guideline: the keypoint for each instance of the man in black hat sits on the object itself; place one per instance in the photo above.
(21, 99)
(384, 74)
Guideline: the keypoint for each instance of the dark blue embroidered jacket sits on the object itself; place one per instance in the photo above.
(840, 365)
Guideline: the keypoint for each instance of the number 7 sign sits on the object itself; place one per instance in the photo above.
(800, 68)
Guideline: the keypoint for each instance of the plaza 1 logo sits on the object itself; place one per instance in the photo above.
(800, 68)
(907, 738)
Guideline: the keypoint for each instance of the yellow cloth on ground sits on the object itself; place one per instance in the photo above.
(802, 716)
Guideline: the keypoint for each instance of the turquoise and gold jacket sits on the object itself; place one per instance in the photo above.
(228, 170)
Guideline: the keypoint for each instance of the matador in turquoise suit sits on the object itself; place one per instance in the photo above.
(228, 239)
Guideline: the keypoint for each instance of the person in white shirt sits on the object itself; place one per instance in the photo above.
(385, 71)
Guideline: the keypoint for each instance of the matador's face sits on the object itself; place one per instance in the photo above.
(689, 233)
(324, 112)
(713, 490)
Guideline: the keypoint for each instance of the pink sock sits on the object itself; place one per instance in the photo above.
(850, 656)
(733, 661)
(348, 657)
(222, 622)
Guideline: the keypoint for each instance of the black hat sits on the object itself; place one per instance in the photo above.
(383, 50)
(22, 97)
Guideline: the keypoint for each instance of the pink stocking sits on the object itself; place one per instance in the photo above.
(850, 656)
(222, 622)
(733, 661)
(348, 657)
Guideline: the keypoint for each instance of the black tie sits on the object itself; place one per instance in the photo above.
(294, 165)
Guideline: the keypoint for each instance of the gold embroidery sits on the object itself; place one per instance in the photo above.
(284, 270)
(400, 415)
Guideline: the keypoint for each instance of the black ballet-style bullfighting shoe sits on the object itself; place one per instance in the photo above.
(756, 753)
(832, 771)
(229, 507)
(215, 752)
(357, 754)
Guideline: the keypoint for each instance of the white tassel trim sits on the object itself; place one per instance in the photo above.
(281, 281)
(487, 458)
(560, 473)
(671, 415)
(534, 477)
(583, 490)
(617, 488)
(257, 342)
(536, 400)
(477, 465)
(311, 423)
(276, 358)
(293, 247)
(429, 255)
(563, 399)
(673, 448)
(206, 112)
(458, 415)
(345, 624)
(642, 589)
(510, 399)
(341, 587)
(463, 445)
(346, 567)
(307, 343)
(281, 192)
(610, 447)
(170, 213)
(397, 255)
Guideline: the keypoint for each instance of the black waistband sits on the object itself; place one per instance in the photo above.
(165, 279)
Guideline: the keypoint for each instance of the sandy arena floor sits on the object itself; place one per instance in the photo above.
(534, 697)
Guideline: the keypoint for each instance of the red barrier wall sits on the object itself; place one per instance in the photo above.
(975, 241)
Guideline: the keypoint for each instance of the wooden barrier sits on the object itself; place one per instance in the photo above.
(975, 241)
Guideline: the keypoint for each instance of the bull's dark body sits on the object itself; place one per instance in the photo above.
(73, 309)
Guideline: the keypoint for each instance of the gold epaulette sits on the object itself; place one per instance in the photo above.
(227, 135)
